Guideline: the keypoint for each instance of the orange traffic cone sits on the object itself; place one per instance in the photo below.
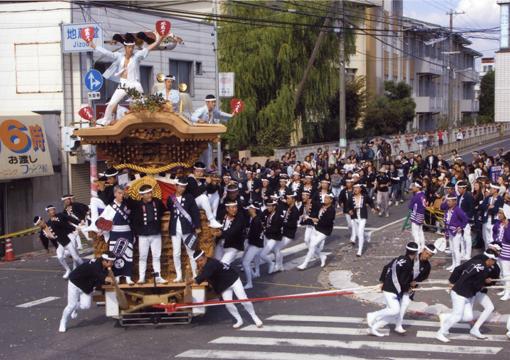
(9, 251)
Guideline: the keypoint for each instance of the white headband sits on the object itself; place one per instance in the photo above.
(490, 256)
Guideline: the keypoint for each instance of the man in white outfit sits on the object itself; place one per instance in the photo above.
(209, 113)
(124, 70)
(169, 94)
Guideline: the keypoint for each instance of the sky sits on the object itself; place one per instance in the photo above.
(478, 14)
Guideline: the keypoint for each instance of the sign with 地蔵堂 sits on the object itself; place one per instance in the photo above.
(72, 40)
(24, 151)
(226, 84)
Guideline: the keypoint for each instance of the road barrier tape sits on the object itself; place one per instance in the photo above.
(21, 233)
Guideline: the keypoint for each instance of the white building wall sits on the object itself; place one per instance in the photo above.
(31, 64)
(502, 88)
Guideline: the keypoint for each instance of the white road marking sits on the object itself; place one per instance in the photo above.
(389, 224)
(259, 355)
(457, 336)
(356, 345)
(348, 228)
(38, 302)
(311, 330)
(354, 320)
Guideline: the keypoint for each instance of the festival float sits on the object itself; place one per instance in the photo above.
(150, 142)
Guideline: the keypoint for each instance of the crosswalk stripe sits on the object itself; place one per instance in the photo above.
(354, 320)
(457, 336)
(265, 355)
(311, 330)
(365, 345)
(38, 302)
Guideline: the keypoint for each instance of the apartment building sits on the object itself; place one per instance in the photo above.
(419, 54)
(502, 83)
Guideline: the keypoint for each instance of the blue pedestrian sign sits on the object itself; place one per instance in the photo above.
(93, 80)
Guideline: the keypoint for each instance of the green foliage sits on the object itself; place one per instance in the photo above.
(487, 96)
(269, 62)
(355, 103)
(153, 102)
(389, 114)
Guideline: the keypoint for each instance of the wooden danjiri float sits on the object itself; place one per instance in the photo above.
(149, 141)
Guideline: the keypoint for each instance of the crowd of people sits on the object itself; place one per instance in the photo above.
(257, 210)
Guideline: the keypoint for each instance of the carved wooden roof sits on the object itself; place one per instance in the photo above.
(151, 126)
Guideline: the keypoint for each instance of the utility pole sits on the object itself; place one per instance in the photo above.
(342, 140)
(219, 155)
(452, 118)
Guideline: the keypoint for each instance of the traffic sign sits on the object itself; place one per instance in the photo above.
(94, 95)
(93, 80)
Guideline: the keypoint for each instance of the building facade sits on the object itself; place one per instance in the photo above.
(421, 55)
(502, 82)
(39, 78)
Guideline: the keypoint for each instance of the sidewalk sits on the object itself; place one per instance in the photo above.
(349, 271)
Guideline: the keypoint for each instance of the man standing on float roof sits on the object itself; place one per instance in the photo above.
(124, 70)
(209, 113)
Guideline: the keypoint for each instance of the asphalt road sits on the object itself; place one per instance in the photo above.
(313, 329)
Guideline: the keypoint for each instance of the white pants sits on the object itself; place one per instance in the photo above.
(96, 204)
(487, 232)
(358, 230)
(278, 251)
(238, 289)
(203, 203)
(75, 239)
(214, 201)
(404, 304)
(390, 313)
(454, 242)
(269, 247)
(488, 307)
(315, 246)
(76, 298)
(383, 199)
(177, 241)
(418, 236)
(154, 243)
(308, 234)
(117, 97)
(251, 254)
(461, 310)
(466, 243)
(229, 255)
(505, 270)
(61, 253)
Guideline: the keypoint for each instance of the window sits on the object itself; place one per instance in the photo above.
(182, 70)
(485, 68)
(198, 68)
(38, 68)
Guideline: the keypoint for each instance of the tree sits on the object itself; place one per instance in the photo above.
(390, 113)
(486, 99)
(269, 62)
(355, 102)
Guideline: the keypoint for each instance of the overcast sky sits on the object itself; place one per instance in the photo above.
(478, 14)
